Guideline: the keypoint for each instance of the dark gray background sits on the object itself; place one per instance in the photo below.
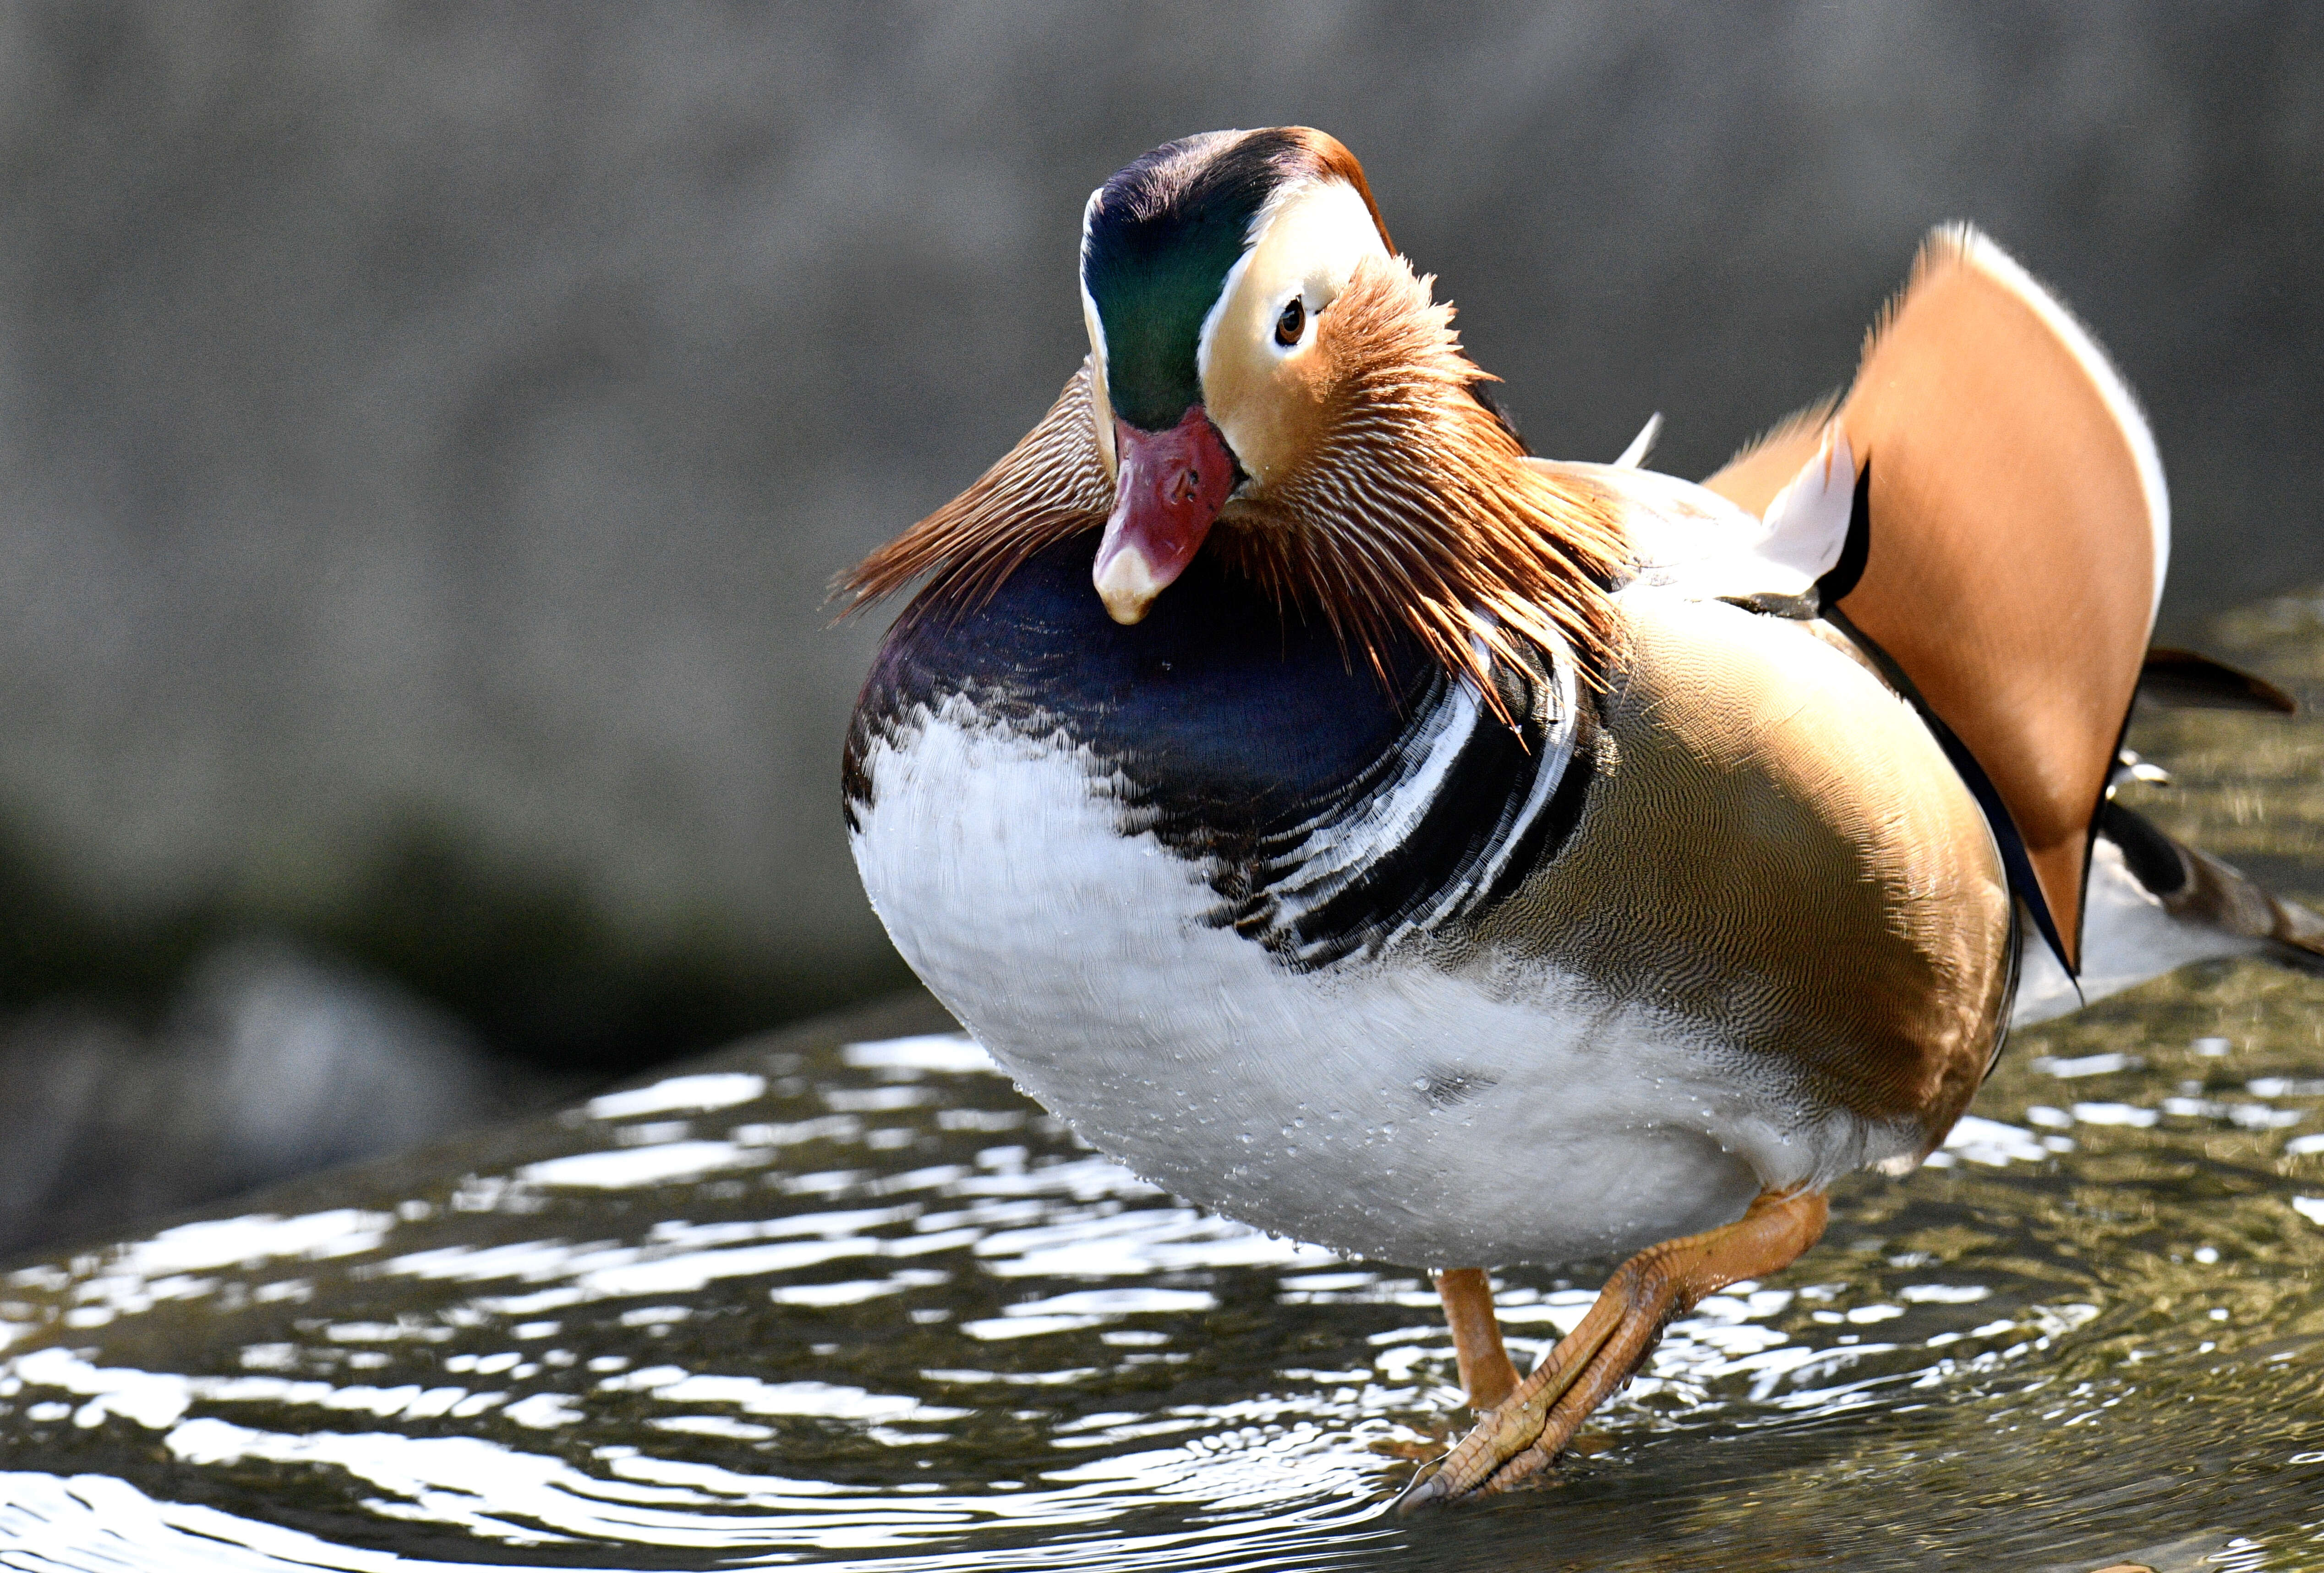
(427, 433)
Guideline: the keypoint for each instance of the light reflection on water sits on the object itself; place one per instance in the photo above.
(860, 1303)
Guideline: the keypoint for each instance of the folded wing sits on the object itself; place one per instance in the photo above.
(2018, 532)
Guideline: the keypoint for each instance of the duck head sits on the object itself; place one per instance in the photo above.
(1271, 382)
(1208, 268)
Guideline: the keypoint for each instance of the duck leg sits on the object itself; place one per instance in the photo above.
(1486, 1374)
(1519, 1437)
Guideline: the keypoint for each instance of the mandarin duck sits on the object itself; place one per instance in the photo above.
(1455, 858)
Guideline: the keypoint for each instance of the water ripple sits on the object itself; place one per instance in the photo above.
(857, 1302)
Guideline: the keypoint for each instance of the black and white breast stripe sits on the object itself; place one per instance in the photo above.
(1441, 828)
(1334, 816)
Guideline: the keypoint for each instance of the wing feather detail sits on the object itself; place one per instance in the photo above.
(1769, 461)
(2018, 532)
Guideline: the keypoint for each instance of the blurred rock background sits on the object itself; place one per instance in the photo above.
(427, 433)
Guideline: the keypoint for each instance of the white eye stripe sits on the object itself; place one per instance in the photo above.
(1211, 319)
(1101, 391)
(1259, 390)
(1311, 235)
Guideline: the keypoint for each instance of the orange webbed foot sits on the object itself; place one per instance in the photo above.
(1519, 1437)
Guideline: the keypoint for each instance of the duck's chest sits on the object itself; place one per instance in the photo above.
(1189, 883)
(1261, 786)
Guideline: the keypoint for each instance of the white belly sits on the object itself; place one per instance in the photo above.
(1389, 1108)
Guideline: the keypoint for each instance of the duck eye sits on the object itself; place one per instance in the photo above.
(1292, 323)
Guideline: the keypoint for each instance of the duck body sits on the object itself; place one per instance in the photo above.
(1370, 831)
(1321, 948)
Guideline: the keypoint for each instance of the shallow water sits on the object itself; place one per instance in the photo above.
(842, 1297)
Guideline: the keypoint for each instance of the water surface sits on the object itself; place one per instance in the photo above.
(842, 1298)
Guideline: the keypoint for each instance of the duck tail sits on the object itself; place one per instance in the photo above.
(2199, 889)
